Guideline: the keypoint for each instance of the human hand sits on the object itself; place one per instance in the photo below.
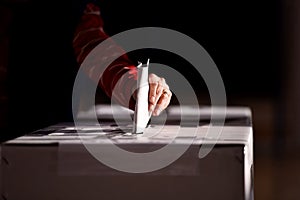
(159, 94)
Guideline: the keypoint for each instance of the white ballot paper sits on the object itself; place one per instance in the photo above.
(141, 113)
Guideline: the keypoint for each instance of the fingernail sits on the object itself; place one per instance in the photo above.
(157, 111)
(151, 108)
(152, 99)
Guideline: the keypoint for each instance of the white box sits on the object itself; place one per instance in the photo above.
(53, 163)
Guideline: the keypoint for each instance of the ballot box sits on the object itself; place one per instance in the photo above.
(56, 163)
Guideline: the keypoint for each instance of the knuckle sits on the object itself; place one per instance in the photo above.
(151, 75)
(160, 89)
(155, 84)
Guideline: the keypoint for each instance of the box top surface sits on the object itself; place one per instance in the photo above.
(236, 129)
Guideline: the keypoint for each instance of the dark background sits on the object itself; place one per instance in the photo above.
(253, 43)
(243, 39)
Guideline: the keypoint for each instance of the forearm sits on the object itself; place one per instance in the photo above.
(116, 78)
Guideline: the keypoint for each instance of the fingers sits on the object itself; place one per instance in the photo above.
(159, 94)
(152, 92)
(163, 102)
(155, 90)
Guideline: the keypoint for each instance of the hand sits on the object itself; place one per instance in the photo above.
(159, 94)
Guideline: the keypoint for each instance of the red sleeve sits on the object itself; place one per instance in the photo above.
(119, 78)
